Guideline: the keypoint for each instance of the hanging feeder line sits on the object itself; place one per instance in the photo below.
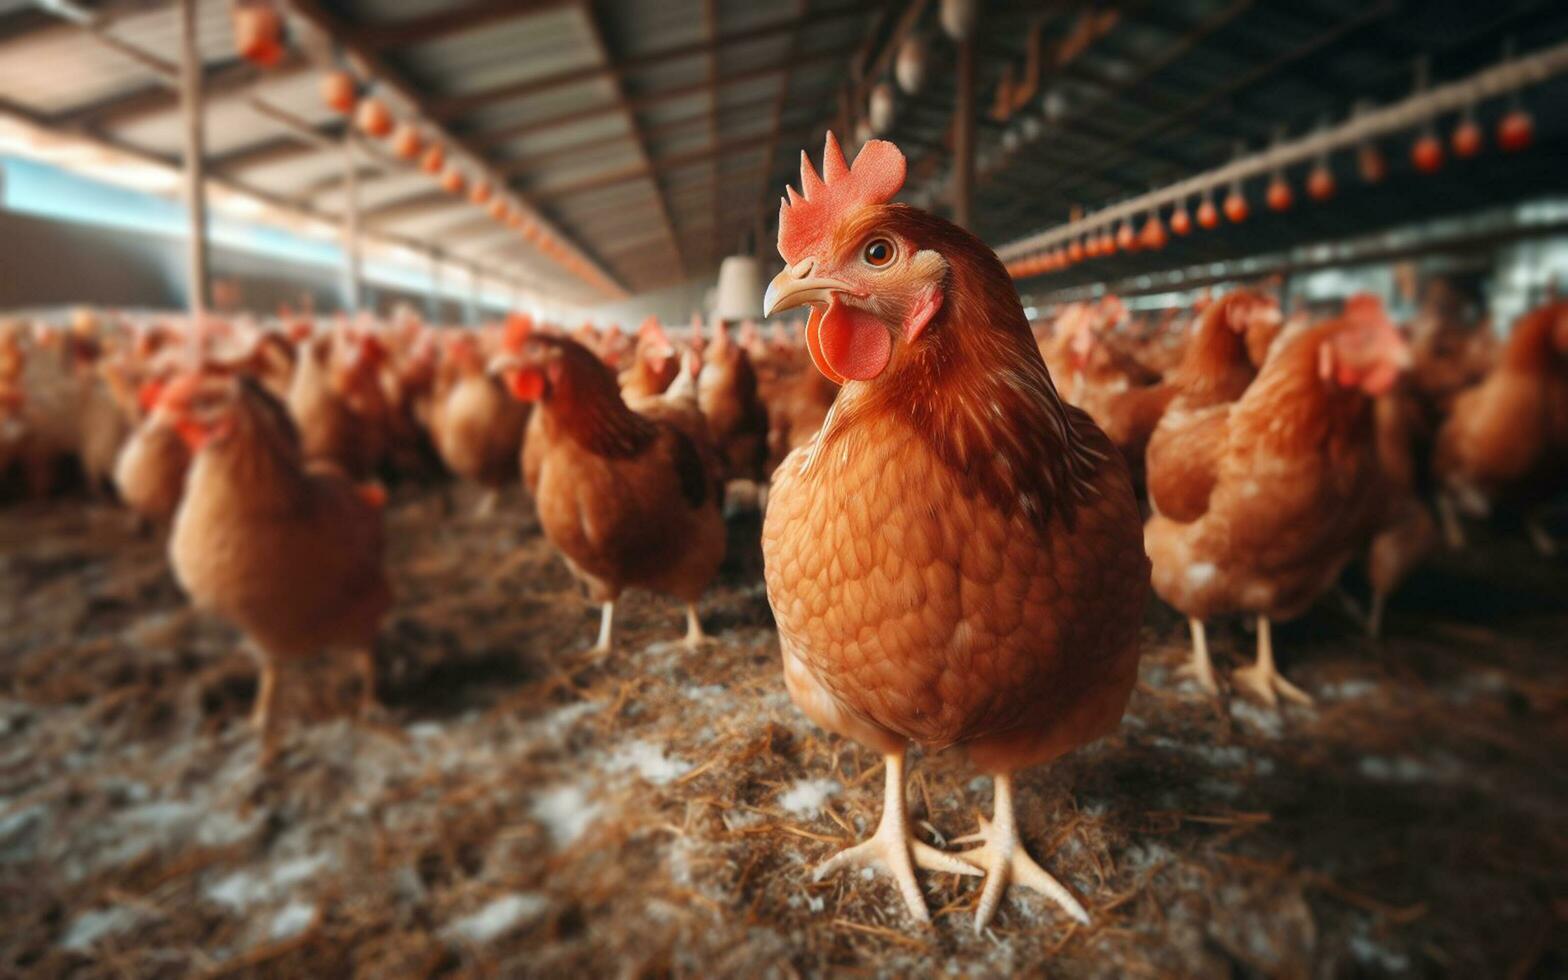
(1507, 78)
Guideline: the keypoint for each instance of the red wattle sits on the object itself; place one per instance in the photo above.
(814, 346)
(854, 343)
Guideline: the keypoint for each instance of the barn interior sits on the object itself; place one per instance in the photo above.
(390, 230)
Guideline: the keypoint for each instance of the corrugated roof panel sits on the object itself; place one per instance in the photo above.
(231, 124)
(678, 108)
(288, 177)
(375, 193)
(598, 126)
(745, 93)
(64, 68)
(753, 54)
(686, 141)
(551, 104)
(666, 75)
(158, 31)
(634, 28)
(513, 51)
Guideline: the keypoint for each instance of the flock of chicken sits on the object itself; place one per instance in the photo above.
(955, 547)
(1270, 459)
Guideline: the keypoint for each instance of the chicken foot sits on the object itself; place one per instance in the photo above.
(894, 848)
(1263, 678)
(1200, 668)
(1001, 855)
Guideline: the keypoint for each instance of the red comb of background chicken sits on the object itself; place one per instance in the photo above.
(149, 393)
(877, 175)
(653, 330)
(518, 327)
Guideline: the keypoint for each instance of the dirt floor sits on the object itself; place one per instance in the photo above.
(519, 809)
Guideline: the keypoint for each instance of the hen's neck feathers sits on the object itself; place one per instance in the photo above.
(584, 404)
(258, 465)
(1291, 408)
(1214, 368)
(976, 389)
(1529, 348)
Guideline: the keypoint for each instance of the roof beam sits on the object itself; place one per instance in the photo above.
(224, 78)
(458, 105)
(446, 22)
(334, 26)
(597, 33)
(652, 168)
(508, 133)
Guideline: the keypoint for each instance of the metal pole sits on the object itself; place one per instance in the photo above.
(433, 305)
(195, 172)
(351, 262)
(964, 137)
(474, 313)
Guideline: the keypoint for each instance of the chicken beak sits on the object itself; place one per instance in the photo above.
(796, 286)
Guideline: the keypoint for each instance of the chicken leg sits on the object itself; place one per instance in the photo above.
(1200, 668)
(606, 642)
(893, 846)
(695, 637)
(1002, 857)
(1262, 678)
(262, 715)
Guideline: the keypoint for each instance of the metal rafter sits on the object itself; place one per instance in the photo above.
(334, 27)
(590, 14)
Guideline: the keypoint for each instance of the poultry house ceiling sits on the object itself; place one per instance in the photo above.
(657, 136)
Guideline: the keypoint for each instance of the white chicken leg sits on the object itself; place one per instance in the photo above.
(1262, 678)
(894, 848)
(1002, 857)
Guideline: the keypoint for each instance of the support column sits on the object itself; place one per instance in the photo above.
(194, 113)
(433, 302)
(962, 193)
(351, 239)
(475, 312)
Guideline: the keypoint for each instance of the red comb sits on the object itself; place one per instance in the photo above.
(804, 218)
(518, 327)
(652, 330)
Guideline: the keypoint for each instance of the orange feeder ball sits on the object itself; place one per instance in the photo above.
(258, 34)
(1467, 138)
(337, 91)
(498, 210)
(1075, 251)
(1208, 214)
(1107, 242)
(1320, 183)
(1236, 209)
(1126, 238)
(1427, 154)
(373, 119)
(1373, 167)
(1280, 197)
(480, 192)
(1516, 131)
(452, 181)
(406, 141)
(1181, 221)
(433, 160)
(1153, 236)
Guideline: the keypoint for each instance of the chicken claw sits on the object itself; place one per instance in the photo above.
(1263, 679)
(895, 850)
(1002, 857)
(1200, 668)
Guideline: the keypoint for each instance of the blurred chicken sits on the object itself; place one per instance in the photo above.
(956, 557)
(624, 496)
(337, 402)
(736, 416)
(288, 551)
(1293, 493)
(1216, 368)
(1505, 444)
(476, 425)
(655, 363)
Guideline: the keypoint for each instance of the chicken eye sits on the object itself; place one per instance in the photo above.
(879, 252)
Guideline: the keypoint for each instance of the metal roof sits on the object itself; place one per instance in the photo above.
(655, 135)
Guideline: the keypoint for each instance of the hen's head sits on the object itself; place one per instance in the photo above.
(1367, 351)
(655, 350)
(534, 366)
(875, 273)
